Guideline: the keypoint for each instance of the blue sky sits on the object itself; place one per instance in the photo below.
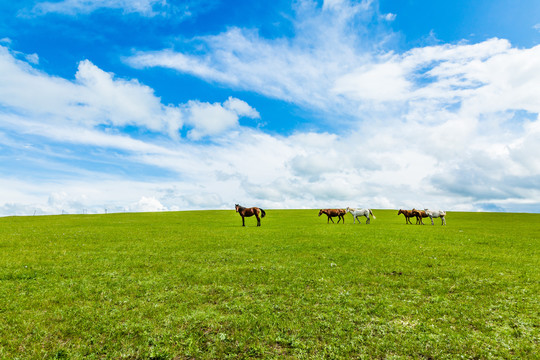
(155, 105)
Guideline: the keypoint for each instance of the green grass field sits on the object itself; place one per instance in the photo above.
(184, 285)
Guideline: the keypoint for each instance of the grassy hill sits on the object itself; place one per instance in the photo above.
(197, 284)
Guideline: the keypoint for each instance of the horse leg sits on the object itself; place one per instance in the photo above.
(431, 220)
(408, 220)
(443, 220)
(243, 222)
(330, 218)
(258, 219)
(368, 220)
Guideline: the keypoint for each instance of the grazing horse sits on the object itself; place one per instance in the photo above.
(332, 213)
(247, 212)
(435, 214)
(408, 214)
(360, 212)
(419, 215)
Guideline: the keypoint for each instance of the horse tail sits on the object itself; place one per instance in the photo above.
(371, 212)
(262, 212)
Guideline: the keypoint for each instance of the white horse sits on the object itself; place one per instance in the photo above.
(360, 212)
(435, 214)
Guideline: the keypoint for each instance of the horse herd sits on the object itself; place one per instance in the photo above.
(340, 214)
(419, 214)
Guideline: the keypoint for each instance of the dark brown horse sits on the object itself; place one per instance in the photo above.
(408, 214)
(419, 215)
(340, 213)
(247, 212)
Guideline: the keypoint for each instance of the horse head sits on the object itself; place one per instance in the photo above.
(321, 212)
(236, 206)
(400, 212)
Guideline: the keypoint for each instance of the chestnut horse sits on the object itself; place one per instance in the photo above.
(408, 214)
(247, 212)
(419, 215)
(340, 213)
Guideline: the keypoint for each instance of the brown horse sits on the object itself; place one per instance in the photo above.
(340, 213)
(419, 215)
(247, 212)
(408, 214)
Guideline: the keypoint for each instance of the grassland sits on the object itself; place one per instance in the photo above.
(184, 285)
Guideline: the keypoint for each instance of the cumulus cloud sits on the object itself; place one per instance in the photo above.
(97, 99)
(120, 102)
(147, 204)
(212, 119)
(94, 98)
(241, 108)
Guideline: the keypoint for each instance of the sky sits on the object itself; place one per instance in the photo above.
(167, 105)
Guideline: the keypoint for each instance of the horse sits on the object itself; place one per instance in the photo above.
(360, 212)
(247, 212)
(332, 213)
(419, 215)
(408, 214)
(435, 214)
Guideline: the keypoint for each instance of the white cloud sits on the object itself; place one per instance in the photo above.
(147, 204)
(94, 98)
(62, 109)
(325, 67)
(72, 7)
(301, 69)
(32, 58)
(176, 10)
(389, 17)
(213, 119)
(181, 62)
(379, 82)
(241, 108)
(121, 102)
(209, 119)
